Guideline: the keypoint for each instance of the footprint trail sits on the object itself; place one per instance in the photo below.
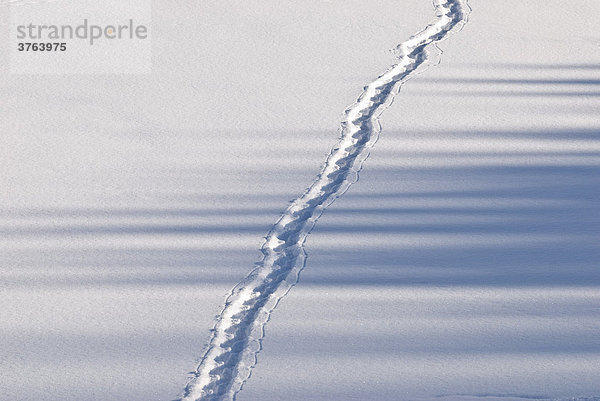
(236, 337)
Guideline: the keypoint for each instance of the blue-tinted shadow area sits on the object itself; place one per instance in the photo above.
(521, 225)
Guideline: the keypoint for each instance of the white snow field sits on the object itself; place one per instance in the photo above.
(463, 265)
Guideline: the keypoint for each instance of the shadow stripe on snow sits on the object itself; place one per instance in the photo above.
(236, 338)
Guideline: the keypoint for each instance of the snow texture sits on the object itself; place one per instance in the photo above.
(240, 327)
(463, 266)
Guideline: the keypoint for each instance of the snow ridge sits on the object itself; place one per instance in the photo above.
(238, 332)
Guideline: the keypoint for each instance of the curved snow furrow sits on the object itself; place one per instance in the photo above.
(237, 335)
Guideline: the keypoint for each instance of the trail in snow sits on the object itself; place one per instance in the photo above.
(238, 332)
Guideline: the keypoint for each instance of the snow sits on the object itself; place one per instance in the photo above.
(238, 333)
(462, 266)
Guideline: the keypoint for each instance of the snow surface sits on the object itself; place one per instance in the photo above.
(237, 336)
(462, 266)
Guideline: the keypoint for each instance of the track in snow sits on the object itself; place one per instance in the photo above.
(238, 332)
